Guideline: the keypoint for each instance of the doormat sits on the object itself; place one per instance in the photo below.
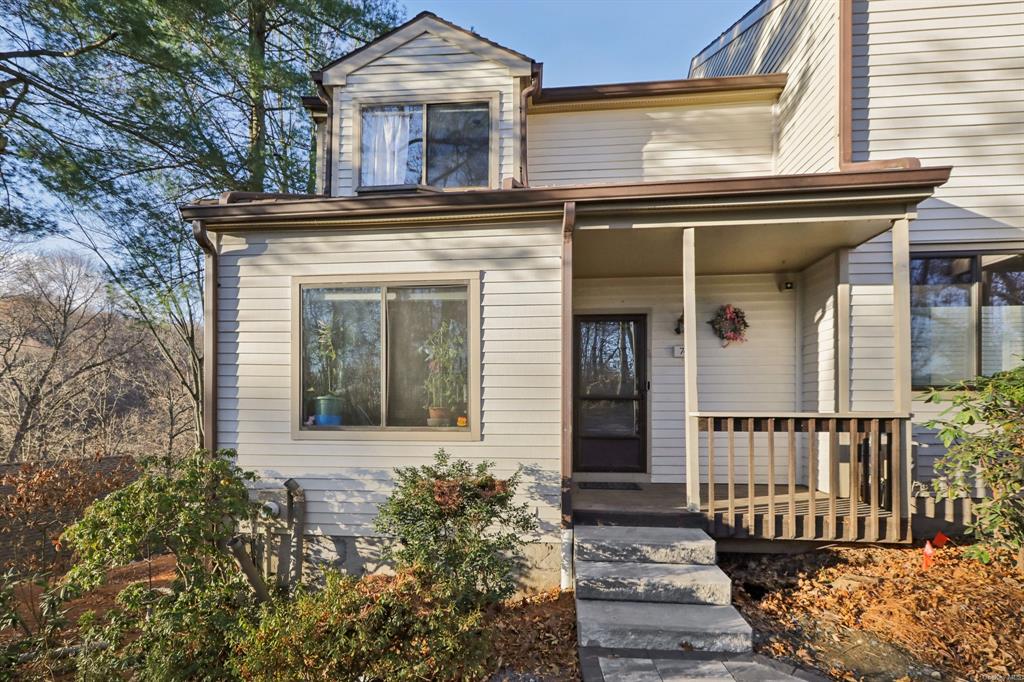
(608, 485)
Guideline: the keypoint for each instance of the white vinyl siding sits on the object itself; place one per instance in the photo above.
(650, 144)
(427, 65)
(817, 292)
(958, 101)
(520, 266)
(757, 376)
(872, 334)
(661, 298)
(943, 80)
(799, 38)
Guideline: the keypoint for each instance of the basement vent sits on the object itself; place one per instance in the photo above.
(607, 485)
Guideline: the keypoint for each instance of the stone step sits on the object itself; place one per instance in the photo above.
(644, 544)
(675, 583)
(661, 627)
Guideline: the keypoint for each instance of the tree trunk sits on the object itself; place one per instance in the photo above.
(257, 95)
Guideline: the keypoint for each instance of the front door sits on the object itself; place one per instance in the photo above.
(610, 392)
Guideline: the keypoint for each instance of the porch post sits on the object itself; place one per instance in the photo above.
(842, 332)
(690, 368)
(902, 394)
(901, 312)
(568, 224)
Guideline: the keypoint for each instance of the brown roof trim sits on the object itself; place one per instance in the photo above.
(535, 197)
(313, 104)
(682, 86)
(318, 74)
(846, 162)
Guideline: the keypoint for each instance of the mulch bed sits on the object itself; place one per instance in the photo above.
(876, 614)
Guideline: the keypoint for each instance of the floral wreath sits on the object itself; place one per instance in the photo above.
(730, 324)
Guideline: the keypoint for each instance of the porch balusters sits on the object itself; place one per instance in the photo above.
(871, 509)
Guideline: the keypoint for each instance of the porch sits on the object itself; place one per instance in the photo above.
(799, 433)
(788, 510)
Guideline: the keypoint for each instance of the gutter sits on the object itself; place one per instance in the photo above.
(210, 320)
(697, 193)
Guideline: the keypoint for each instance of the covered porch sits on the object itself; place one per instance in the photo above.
(799, 432)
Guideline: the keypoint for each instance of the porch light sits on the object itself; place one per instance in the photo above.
(679, 324)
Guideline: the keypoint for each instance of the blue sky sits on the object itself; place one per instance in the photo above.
(596, 41)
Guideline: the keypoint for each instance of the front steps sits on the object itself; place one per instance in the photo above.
(654, 589)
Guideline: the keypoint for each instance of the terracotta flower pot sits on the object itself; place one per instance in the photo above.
(439, 416)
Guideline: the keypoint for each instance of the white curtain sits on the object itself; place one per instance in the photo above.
(385, 145)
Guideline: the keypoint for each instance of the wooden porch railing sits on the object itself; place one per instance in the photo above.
(854, 488)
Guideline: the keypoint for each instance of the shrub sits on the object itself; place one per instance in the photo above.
(985, 444)
(459, 522)
(405, 627)
(184, 635)
(189, 507)
(45, 498)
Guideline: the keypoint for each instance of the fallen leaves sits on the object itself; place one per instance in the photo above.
(537, 634)
(960, 615)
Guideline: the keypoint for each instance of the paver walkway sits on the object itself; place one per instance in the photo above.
(609, 667)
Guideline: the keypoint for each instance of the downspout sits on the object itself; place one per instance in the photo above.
(325, 97)
(524, 98)
(297, 516)
(210, 318)
(567, 573)
(846, 162)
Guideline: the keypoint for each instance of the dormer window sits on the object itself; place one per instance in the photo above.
(443, 145)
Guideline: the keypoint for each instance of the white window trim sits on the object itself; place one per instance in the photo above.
(493, 100)
(391, 433)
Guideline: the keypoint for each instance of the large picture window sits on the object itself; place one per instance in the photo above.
(441, 145)
(967, 316)
(386, 356)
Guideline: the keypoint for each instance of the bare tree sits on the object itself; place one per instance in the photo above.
(59, 333)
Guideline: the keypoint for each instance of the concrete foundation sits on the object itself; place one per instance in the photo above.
(540, 564)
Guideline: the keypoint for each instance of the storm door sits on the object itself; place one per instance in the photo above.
(610, 393)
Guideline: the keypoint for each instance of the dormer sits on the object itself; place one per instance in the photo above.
(429, 106)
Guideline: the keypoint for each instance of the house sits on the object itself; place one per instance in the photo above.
(525, 274)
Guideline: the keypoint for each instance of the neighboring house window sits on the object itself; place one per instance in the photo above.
(387, 356)
(442, 145)
(967, 316)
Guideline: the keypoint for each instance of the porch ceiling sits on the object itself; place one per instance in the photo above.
(720, 250)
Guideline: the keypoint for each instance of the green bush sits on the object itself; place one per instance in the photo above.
(461, 523)
(397, 628)
(189, 507)
(183, 635)
(985, 445)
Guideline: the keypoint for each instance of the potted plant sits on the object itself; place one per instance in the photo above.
(445, 384)
(328, 405)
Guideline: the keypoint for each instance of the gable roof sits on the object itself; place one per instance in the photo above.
(335, 72)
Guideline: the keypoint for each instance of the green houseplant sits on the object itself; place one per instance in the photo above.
(445, 384)
(328, 405)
